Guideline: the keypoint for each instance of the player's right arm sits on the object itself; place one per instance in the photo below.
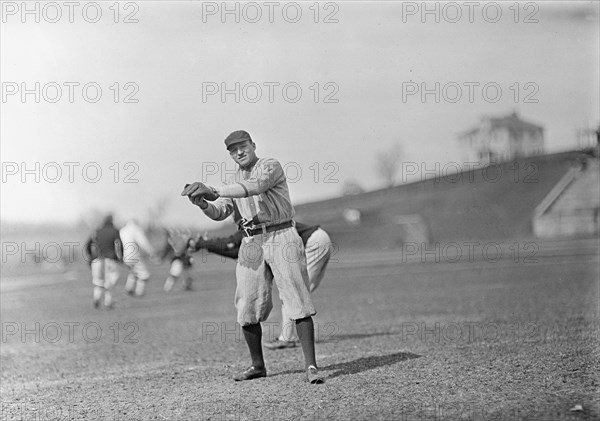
(218, 210)
(90, 249)
(267, 173)
(142, 240)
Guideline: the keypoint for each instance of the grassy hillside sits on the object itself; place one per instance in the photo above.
(487, 203)
(490, 203)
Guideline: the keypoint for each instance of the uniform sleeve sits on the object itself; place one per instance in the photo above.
(225, 246)
(90, 250)
(118, 246)
(220, 209)
(88, 246)
(143, 241)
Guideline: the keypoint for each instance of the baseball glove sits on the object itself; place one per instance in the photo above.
(200, 190)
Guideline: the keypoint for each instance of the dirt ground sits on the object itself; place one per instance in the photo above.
(398, 339)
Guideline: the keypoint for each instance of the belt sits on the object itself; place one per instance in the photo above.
(249, 232)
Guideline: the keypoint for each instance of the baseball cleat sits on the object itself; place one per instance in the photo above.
(313, 376)
(251, 373)
(279, 344)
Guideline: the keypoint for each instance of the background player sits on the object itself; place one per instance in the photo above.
(180, 246)
(135, 242)
(105, 249)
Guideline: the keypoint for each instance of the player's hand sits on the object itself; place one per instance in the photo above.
(199, 201)
(200, 189)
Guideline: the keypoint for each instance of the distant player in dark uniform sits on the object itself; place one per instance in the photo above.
(180, 246)
(318, 248)
(104, 249)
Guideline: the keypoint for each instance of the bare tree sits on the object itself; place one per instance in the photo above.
(90, 219)
(388, 163)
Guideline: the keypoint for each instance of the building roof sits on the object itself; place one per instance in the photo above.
(579, 190)
(511, 121)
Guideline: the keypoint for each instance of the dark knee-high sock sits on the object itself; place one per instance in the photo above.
(306, 334)
(253, 336)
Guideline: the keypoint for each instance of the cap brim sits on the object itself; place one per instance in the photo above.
(236, 142)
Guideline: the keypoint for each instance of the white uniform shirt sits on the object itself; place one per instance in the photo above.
(134, 239)
(267, 198)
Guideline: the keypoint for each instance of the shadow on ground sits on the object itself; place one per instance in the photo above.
(368, 363)
(361, 364)
(335, 337)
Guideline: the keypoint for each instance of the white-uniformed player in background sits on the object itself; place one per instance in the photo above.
(135, 242)
(318, 248)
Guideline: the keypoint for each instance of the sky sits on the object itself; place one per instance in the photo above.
(129, 105)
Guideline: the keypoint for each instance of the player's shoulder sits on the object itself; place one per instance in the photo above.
(267, 160)
(268, 164)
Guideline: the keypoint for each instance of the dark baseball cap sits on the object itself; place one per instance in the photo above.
(236, 137)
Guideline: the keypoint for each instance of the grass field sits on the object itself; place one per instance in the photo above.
(398, 338)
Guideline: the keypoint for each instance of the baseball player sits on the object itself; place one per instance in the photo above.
(181, 246)
(104, 249)
(318, 248)
(270, 250)
(134, 241)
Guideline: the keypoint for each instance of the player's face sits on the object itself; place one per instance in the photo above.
(244, 153)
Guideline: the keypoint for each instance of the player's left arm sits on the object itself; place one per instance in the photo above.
(266, 175)
(118, 247)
